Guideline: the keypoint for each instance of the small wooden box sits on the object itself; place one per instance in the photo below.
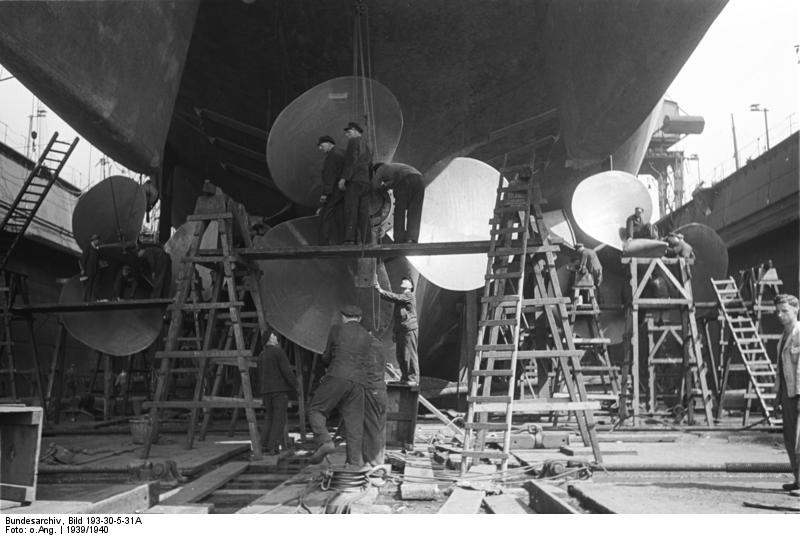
(401, 414)
(20, 442)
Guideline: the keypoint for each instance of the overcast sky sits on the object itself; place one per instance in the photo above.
(748, 56)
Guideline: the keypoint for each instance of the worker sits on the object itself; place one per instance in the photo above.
(156, 264)
(678, 248)
(126, 283)
(409, 193)
(589, 263)
(786, 307)
(331, 212)
(405, 329)
(635, 227)
(276, 380)
(355, 183)
(90, 265)
(347, 358)
(375, 402)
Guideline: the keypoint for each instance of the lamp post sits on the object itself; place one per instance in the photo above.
(758, 108)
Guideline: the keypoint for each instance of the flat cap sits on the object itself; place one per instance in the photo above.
(323, 139)
(351, 310)
(354, 126)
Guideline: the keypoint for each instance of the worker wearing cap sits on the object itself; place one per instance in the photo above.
(678, 248)
(635, 227)
(355, 183)
(375, 402)
(276, 380)
(590, 263)
(331, 217)
(405, 329)
(788, 396)
(409, 193)
(347, 358)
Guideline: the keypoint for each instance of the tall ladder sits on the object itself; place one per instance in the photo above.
(762, 374)
(694, 383)
(32, 194)
(227, 266)
(503, 310)
(601, 377)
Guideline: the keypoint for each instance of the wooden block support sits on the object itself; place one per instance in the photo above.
(413, 489)
(197, 508)
(546, 498)
(463, 501)
(20, 442)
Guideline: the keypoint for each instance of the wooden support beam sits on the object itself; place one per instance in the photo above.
(505, 504)
(206, 484)
(463, 501)
(82, 307)
(377, 251)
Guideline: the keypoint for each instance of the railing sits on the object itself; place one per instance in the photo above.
(756, 147)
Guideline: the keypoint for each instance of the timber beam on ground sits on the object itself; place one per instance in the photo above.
(83, 307)
(376, 251)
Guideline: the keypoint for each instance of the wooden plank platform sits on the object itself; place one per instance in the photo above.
(207, 484)
(505, 504)
(463, 501)
(545, 498)
(197, 508)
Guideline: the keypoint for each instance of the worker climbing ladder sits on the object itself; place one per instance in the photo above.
(212, 209)
(491, 397)
(31, 196)
(693, 369)
(601, 377)
(761, 372)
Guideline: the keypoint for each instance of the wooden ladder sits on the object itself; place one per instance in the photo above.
(226, 305)
(13, 286)
(31, 196)
(749, 345)
(693, 383)
(491, 397)
(602, 374)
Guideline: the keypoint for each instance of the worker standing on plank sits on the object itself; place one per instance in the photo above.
(331, 212)
(347, 358)
(405, 329)
(276, 380)
(409, 193)
(355, 183)
(679, 248)
(786, 307)
(375, 402)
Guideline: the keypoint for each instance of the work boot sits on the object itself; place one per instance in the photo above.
(791, 486)
(321, 452)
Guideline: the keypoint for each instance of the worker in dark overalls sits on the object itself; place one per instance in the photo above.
(347, 358)
(409, 194)
(355, 183)
(90, 265)
(276, 381)
(375, 402)
(635, 227)
(331, 211)
(406, 329)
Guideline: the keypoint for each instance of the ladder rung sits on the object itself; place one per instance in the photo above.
(232, 362)
(508, 298)
(537, 302)
(749, 341)
(599, 368)
(505, 399)
(591, 341)
(502, 322)
(762, 373)
(488, 347)
(485, 426)
(484, 373)
(198, 354)
(534, 354)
